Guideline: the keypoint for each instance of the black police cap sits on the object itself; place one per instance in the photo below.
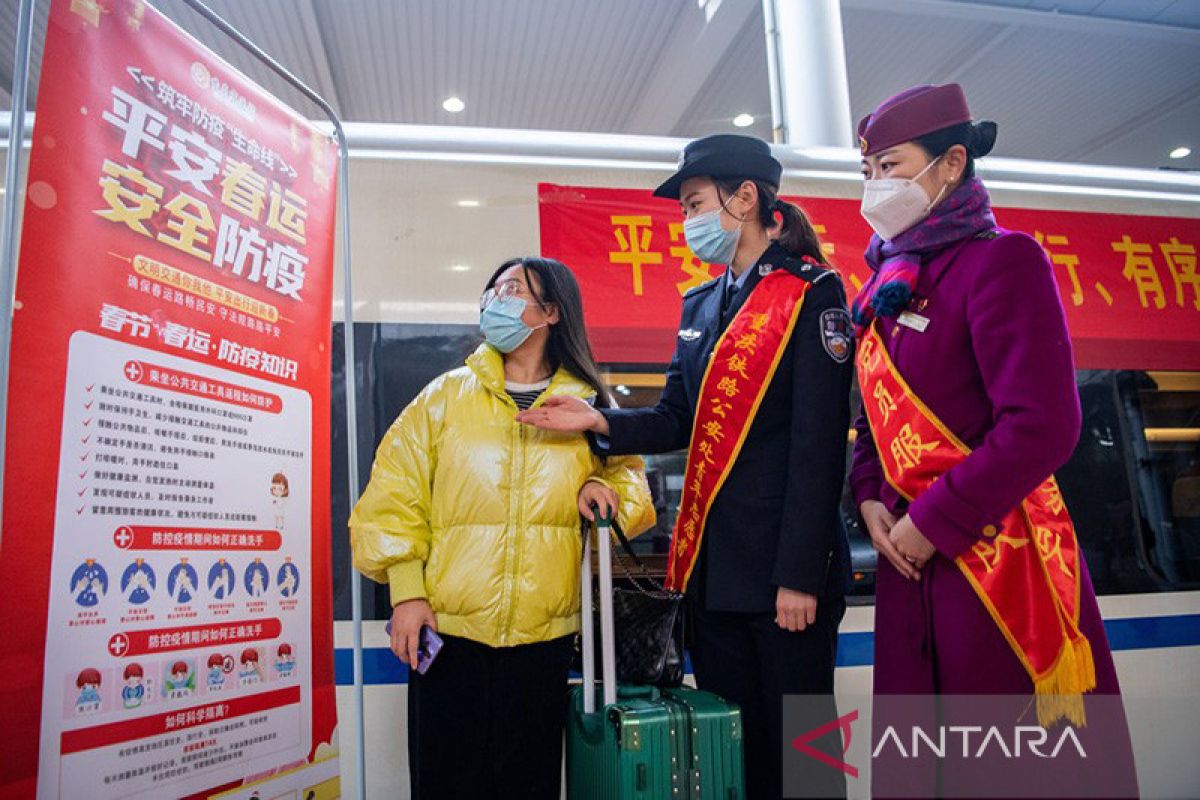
(723, 155)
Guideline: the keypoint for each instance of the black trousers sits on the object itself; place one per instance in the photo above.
(749, 660)
(487, 722)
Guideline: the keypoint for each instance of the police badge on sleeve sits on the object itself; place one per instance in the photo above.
(836, 337)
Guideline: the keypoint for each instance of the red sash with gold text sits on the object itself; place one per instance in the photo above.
(1025, 572)
(737, 377)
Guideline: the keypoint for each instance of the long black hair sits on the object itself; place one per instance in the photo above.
(568, 346)
(977, 137)
(796, 233)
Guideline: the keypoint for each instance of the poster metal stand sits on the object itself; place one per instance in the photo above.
(8, 276)
(12, 197)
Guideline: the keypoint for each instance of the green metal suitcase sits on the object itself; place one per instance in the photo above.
(622, 751)
(637, 742)
(712, 766)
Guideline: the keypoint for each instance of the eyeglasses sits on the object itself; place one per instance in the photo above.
(506, 290)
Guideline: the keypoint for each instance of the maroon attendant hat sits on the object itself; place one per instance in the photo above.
(912, 114)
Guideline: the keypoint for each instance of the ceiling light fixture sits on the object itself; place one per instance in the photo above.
(1181, 152)
(453, 105)
(468, 204)
(460, 268)
(743, 120)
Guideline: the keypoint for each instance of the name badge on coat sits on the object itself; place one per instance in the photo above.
(911, 319)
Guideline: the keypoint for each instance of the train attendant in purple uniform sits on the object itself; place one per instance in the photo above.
(969, 406)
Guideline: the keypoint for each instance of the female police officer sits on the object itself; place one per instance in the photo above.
(758, 392)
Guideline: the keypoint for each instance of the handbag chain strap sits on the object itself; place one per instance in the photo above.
(656, 592)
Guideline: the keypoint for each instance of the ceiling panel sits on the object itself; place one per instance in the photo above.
(1058, 116)
(8, 38)
(887, 52)
(1177, 128)
(568, 64)
(1091, 80)
(1140, 10)
(1185, 13)
(737, 85)
(1182, 12)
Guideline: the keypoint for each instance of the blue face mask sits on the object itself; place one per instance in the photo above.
(502, 325)
(708, 240)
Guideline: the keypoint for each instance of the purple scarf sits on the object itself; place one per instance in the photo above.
(966, 212)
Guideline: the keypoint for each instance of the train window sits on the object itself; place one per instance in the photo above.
(1161, 420)
(664, 472)
(1100, 495)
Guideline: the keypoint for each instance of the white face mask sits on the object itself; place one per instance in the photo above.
(893, 205)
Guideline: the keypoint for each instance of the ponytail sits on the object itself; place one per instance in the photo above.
(796, 232)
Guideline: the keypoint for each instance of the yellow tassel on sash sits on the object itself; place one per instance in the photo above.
(1060, 693)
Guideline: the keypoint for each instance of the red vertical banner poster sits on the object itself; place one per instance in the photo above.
(166, 548)
(1130, 284)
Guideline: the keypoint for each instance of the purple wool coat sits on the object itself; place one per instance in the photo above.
(995, 365)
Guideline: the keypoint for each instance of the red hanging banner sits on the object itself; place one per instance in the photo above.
(1130, 284)
(166, 541)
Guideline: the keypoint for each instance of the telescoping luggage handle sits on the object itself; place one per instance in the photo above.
(608, 654)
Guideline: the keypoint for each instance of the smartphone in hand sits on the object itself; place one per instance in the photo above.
(428, 648)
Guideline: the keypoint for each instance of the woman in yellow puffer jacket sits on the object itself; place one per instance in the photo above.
(473, 521)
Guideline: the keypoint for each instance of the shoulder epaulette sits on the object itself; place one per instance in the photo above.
(704, 287)
(808, 270)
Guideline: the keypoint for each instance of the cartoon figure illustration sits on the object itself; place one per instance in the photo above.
(257, 578)
(250, 671)
(89, 582)
(285, 662)
(216, 672)
(137, 582)
(279, 493)
(181, 681)
(88, 683)
(182, 582)
(221, 579)
(133, 691)
(288, 578)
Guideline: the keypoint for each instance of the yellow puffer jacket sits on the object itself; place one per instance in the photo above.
(478, 513)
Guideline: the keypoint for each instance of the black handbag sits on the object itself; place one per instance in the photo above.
(648, 625)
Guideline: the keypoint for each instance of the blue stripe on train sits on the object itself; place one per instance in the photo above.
(854, 649)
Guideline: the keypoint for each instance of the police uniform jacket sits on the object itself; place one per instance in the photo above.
(776, 521)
